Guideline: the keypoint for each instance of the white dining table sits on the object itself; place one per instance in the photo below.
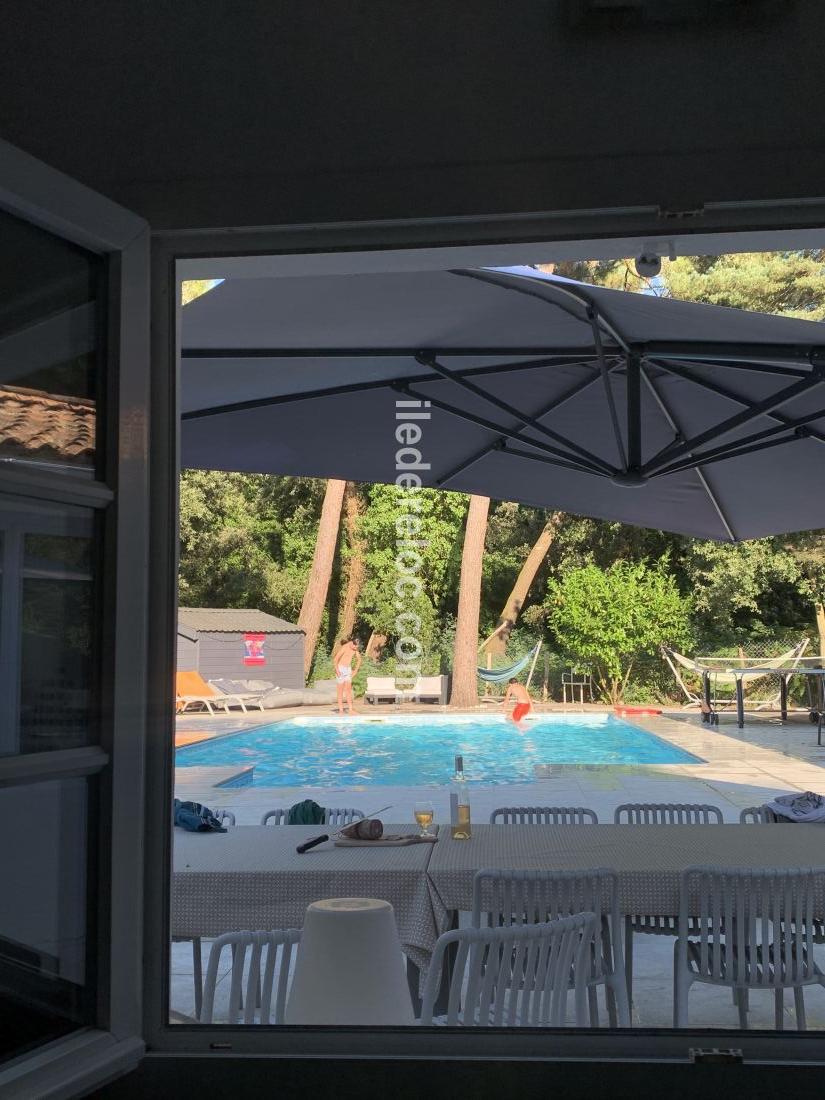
(648, 859)
(252, 877)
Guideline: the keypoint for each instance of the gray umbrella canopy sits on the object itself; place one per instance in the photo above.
(690, 418)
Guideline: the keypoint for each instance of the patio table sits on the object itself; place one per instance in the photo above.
(649, 859)
(251, 877)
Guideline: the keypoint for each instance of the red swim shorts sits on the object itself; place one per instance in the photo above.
(519, 711)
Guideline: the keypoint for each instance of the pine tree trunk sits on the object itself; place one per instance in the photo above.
(820, 626)
(356, 568)
(315, 595)
(465, 655)
(496, 644)
(375, 646)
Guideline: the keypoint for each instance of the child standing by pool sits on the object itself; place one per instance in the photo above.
(342, 660)
(521, 697)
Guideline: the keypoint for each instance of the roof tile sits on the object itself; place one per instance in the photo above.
(36, 425)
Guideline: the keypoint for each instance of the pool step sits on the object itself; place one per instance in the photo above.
(200, 783)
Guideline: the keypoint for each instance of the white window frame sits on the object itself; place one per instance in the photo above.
(342, 248)
(46, 198)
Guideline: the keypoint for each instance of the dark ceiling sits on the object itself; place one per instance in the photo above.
(205, 112)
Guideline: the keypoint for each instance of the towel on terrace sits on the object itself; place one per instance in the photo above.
(807, 807)
(196, 818)
(305, 813)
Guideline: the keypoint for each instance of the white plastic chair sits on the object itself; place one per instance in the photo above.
(227, 818)
(757, 815)
(746, 929)
(532, 897)
(666, 813)
(514, 976)
(657, 813)
(543, 815)
(333, 815)
(338, 817)
(265, 982)
(761, 815)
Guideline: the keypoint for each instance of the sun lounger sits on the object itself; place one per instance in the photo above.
(193, 690)
(382, 687)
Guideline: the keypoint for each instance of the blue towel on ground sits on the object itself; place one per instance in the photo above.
(196, 818)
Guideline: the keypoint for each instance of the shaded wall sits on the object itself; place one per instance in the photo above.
(187, 654)
(221, 655)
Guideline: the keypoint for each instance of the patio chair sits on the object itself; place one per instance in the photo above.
(263, 999)
(427, 689)
(504, 898)
(657, 813)
(757, 815)
(192, 689)
(543, 815)
(666, 813)
(333, 815)
(514, 976)
(763, 815)
(753, 929)
(382, 687)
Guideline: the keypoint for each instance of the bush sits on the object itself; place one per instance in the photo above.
(610, 618)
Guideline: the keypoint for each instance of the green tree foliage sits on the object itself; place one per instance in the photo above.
(246, 540)
(384, 526)
(743, 593)
(611, 617)
(789, 284)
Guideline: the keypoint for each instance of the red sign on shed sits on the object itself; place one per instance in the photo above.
(254, 649)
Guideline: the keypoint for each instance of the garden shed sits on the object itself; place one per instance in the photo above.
(240, 644)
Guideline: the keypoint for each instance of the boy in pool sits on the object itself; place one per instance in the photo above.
(523, 703)
(342, 660)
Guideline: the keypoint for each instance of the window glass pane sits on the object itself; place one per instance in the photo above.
(57, 643)
(49, 629)
(44, 933)
(50, 353)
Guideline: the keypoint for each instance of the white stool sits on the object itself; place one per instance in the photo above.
(349, 968)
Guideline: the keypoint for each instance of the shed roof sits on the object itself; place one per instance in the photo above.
(230, 619)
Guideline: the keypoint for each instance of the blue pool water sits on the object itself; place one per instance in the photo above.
(419, 749)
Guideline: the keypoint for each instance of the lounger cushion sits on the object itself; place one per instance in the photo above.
(242, 687)
(282, 698)
(319, 695)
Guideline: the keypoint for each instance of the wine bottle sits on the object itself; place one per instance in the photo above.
(460, 803)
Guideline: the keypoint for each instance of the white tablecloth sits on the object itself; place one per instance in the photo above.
(648, 858)
(251, 877)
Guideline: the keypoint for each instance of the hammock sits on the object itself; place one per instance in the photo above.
(723, 675)
(498, 675)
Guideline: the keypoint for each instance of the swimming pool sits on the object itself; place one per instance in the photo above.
(414, 750)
